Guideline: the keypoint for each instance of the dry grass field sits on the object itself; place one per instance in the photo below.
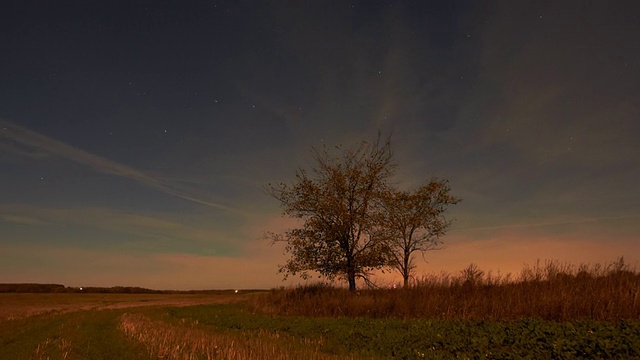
(20, 305)
(547, 290)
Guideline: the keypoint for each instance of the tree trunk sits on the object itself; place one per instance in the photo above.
(352, 282)
(406, 269)
(351, 276)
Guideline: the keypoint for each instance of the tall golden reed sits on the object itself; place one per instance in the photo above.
(549, 290)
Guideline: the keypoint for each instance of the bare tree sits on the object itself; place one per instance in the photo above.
(337, 200)
(414, 222)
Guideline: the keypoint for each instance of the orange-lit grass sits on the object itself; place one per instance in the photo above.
(43, 349)
(187, 340)
(549, 291)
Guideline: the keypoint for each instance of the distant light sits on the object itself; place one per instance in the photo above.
(80, 289)
(236, 291)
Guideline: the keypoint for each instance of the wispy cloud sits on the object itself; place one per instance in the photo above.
(21, 219)
(571, 221)
(148, 230)
(38, 143)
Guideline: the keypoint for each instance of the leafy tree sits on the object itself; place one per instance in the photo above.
(337, 201)
(414, 222)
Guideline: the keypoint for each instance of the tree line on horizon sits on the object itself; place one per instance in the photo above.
(59, 288)
(36, 288)
(355, 220)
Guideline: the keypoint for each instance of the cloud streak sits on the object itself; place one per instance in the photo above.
(140, 231)
(547, 223)
(21, 220)
(40, 143)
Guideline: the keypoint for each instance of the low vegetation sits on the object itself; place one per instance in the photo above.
(74, 335)
(372, 338)
(547, 291)
(548, 311)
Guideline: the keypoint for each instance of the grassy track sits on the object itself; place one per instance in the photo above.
(79, 326)
(77, 335)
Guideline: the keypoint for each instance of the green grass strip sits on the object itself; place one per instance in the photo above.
(443, 339)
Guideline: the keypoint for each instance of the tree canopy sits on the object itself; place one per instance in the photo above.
(354, 221)
(337, 203)
(414, 221)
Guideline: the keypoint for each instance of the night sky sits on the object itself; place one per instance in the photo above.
(136, 137)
